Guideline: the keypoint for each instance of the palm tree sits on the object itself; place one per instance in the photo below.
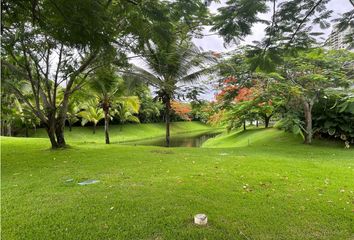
(106, 86)
(26, 116)
(71, 115)
(170, 64)
(91, 114)
(125, 109)
(14, 111)
(109, 90)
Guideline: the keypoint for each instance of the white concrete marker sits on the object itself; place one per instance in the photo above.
(200, 219)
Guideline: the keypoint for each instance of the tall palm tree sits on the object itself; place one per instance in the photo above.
(105, 86)
(169, 65)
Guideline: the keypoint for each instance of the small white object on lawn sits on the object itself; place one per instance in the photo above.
(200, 219)
(88, 182)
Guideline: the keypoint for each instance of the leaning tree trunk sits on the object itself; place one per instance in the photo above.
(106, 123)
(308, 122)
(167, 120)
(50, 127)
(61, 119)
(51, 135)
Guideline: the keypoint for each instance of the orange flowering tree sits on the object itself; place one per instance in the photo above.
(241, 108)
(248, 103)
(182, 110)
(231, 96)
(203, 110)
(228, 90)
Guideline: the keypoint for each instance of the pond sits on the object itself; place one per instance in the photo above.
(178, 140)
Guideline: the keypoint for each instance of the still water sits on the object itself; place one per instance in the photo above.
(195, 140)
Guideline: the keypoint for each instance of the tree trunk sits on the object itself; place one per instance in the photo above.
(2, 128)
(167, 120)
(9, 129)
(62, 116)
(51, 134)
(26, 131)
(59, 132)
(106, 122)
(308, 122)
(266, 120)
(244, 125)
(60, 121)
(257, 123)
(55, 130)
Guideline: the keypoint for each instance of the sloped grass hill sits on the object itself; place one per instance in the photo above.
(260, 137)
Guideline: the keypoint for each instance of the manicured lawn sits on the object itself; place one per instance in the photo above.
(273, 188)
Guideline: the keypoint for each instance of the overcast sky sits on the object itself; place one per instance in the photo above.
(215, 43)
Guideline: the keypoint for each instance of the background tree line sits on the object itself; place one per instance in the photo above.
(65, 61)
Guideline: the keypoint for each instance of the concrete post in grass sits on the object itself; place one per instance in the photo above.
(200, 219)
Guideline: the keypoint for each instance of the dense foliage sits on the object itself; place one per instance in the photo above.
(333, 117)
(309, 80)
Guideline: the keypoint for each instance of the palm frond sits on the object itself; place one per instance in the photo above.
(139, 74)
(91, 114)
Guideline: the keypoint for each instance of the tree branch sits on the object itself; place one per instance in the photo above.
(30, 77)
(46, 75)
(57, 74)
(352, 2)
(24, 99)
(80, 84)
(302, 22)
(271, 28)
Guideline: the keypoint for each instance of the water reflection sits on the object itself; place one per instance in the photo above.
(195, 140)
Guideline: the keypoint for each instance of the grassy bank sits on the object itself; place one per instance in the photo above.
(260, 137)
(253, 137)
(127, 132)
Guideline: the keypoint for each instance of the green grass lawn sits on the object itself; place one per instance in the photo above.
(273, 188)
